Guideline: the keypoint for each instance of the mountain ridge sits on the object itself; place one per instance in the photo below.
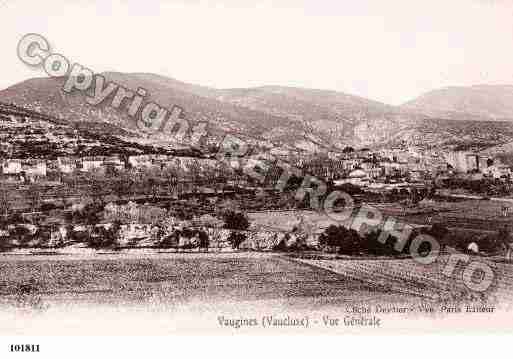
(273, 116)
(480, 102)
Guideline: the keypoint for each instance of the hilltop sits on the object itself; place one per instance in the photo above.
(480, 102)
(295, 119)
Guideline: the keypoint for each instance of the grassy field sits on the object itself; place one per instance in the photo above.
(159, 293)
(173, 279)
(470, 214)
(425, 281)
(467, 221)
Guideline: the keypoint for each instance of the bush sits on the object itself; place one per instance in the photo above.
(371, 245)
(21, 234)
(204, 241)
(236, 238)
(169, 241)
(282, 245)
(5, 244)
(173, 240)
(299, 245)
(439, 232)
(235, 220)
(102, 237)
(89, 213)
(490, 244)
(347, 241)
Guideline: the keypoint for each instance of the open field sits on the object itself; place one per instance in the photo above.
(172, 279)
(470, 214)
(151, 292)
(475, 215)
(169, 279)
(426, 281)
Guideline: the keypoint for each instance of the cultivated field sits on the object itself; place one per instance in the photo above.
(169, 279)
(469, 214)
(423, 281)
(151, 292)
(172, 279)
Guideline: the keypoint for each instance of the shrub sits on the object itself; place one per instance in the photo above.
(299, 245)
(204, 241)
(371, 244)
(169, 241)
(21, 234)
(87, 213)
(282, 245)
(439, 232)
(102, 237)
(5, 243)
(490, 244)
(235, 220)
(236, 238)
(347, 241)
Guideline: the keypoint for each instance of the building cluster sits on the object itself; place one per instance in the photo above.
(364, 167)
(30, 170)
(368, 168)
(360, 168)
(468, 162)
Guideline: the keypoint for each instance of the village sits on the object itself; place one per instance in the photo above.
(145, 200)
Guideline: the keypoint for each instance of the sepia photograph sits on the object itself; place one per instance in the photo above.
(288, 167)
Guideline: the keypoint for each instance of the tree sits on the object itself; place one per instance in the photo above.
(34, 197)
(236, 238)
(235, 220)
(281, 246)
(88, 214)
(293, 183)
(97, 187)
(170, 240)
(204, 241)
(504, 238)
(5, 205)
(372, 245)
(21, 234)
(105, 237)
(238, 222)
(438, 231)
(347, 241)
(122, 186)
(170, 176)
(195, 175)
(151, 186)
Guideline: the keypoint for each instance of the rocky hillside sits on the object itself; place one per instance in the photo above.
(272, 116)
(29, 134)
(482, 102)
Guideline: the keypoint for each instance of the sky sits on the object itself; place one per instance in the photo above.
(390, 51)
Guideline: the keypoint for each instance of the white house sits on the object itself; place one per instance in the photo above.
(34, 168)
(91, 163)
(140, 161)
(357, 177)
(11, 167)
(66, 164)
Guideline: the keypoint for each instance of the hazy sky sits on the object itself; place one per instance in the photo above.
(389, 51)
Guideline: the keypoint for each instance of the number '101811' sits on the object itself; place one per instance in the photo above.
(25, 348)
